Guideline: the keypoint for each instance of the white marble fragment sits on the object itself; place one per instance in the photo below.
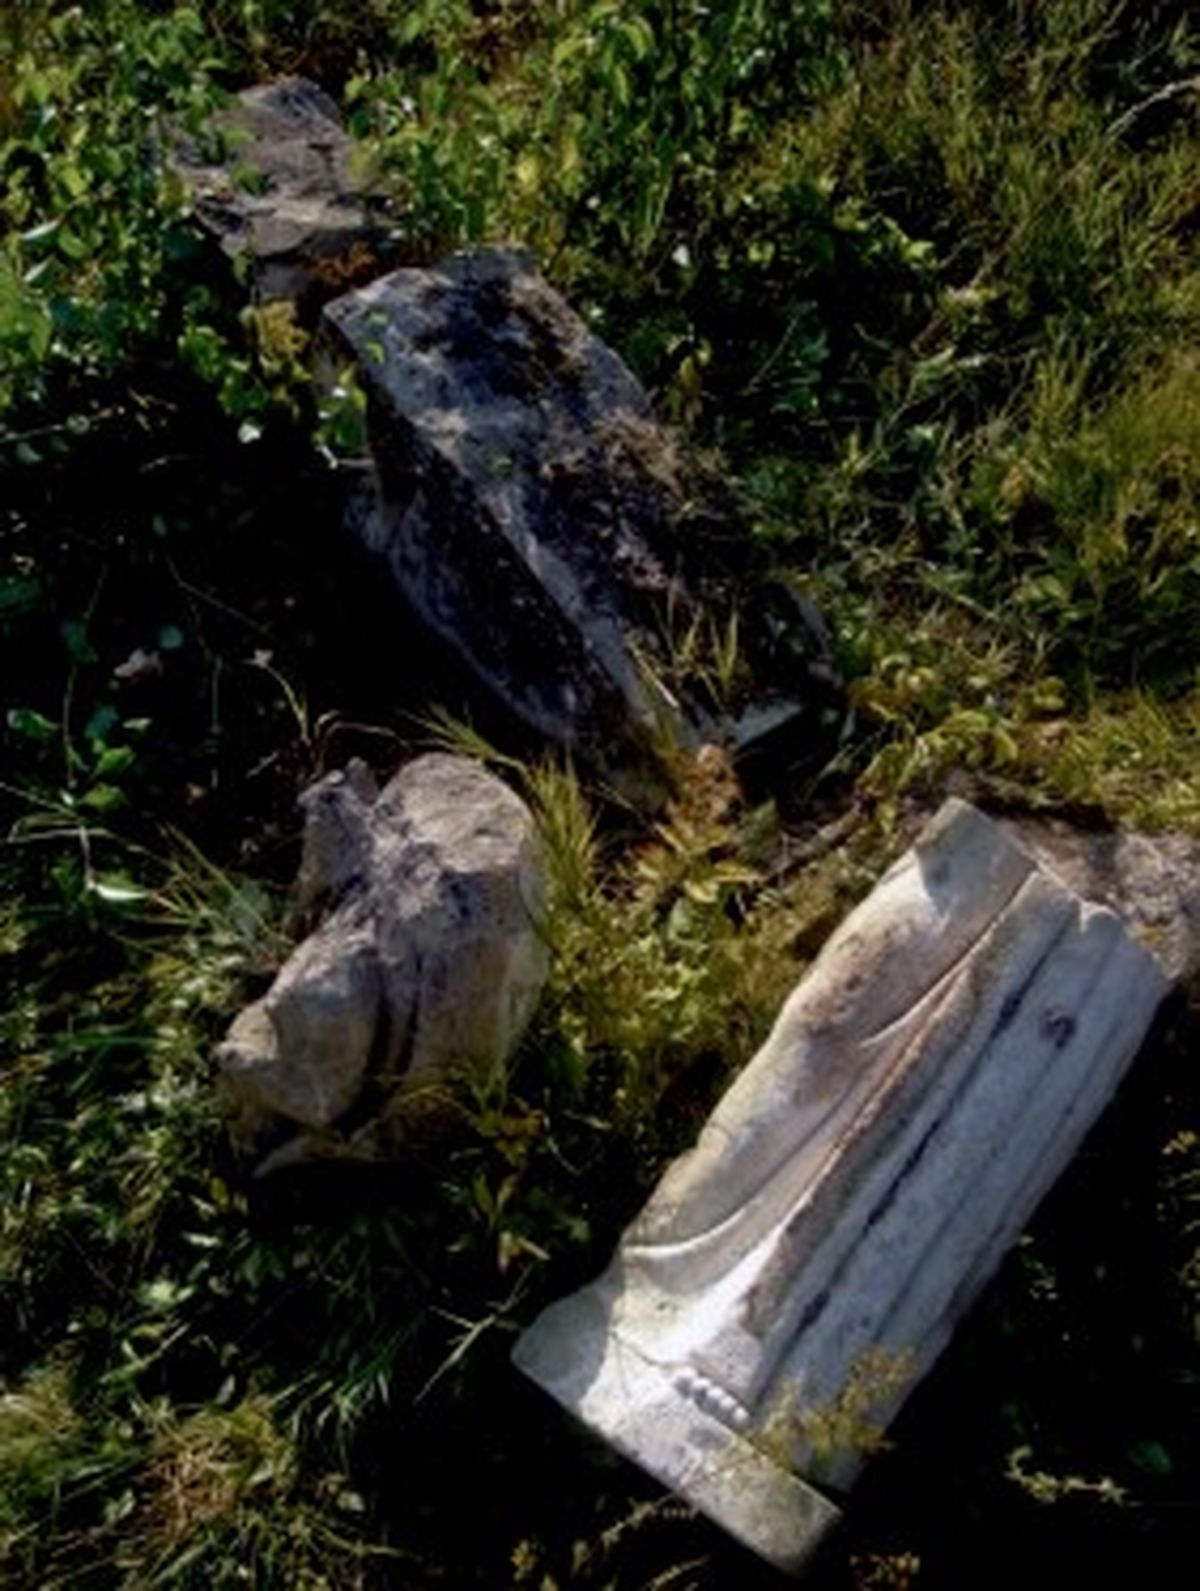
(796, 1272)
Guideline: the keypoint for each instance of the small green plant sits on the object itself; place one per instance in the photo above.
(1046, 1488)
(821, 1440)
(341, 431)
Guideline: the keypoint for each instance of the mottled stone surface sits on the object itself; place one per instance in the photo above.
(529, 506)
(427, 958)
(275, 183)
(798, 1270)
(1151, 880)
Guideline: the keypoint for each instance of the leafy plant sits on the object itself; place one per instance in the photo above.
(91, 216)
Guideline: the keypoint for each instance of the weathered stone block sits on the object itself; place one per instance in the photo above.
(428, 958)
(528, 505)
(1152, 881)
(805, 1263)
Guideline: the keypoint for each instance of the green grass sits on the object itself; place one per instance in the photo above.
(920, 277)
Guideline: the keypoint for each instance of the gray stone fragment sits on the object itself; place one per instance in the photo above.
(274, 183)
(1151, 880)
(338, 835)
(526, 502)
(427, 959)
(796, 1272)
(301, 1053)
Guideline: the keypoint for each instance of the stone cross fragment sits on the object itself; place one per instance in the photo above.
(796, 1272)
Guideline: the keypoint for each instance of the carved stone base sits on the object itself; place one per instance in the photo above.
(796, 1272)
(674, 1423)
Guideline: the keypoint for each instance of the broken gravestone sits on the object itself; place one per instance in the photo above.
(797, 1271)
(539, 519)
(273, 181)
(427, 959)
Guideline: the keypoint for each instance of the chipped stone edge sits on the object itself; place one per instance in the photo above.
(658, 1420)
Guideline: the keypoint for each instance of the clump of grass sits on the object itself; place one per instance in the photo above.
(40, 1442)
(224, 1489)
(671, 967)
(1096, 518)
(1133, 755)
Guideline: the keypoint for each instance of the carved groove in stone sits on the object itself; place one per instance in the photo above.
(923, 1087)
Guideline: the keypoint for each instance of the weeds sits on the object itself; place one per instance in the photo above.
(827, 1442)
(922, 276)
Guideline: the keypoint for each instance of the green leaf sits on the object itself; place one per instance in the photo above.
(35, 273)
(163, 1294)
(34, 726)
(103, 798)
(73, 180)
(1152, 1457)
(113, 760)
(41, 232)
(101, 721)
(72, 246)
(19, 594)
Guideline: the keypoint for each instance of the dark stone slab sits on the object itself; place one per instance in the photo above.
(532, 510)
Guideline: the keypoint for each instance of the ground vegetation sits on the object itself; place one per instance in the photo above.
(922, 276)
